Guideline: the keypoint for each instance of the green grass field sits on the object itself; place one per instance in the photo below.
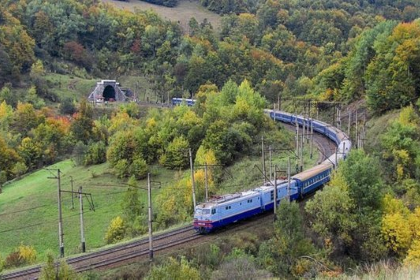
(28, 207)
(182, 13)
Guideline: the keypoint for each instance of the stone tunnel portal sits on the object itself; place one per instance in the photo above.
(109, 93)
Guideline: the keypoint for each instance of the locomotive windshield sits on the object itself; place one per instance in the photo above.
(200, 211)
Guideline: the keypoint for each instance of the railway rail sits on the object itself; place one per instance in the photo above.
(139, 250)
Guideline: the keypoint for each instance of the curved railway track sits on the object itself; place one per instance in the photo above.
(138, 250)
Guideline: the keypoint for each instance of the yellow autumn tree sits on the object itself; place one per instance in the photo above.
(116, 230)
(27, 254)
(176, 203)
(205, 157)
(413, 256)
(396, 229)
(396, 233)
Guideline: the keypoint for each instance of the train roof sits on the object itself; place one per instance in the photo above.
(218, 200)
(309, 173)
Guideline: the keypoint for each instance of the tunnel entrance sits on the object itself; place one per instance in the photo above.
(109, 93)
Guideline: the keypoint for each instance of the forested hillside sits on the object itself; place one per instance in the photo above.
(325, 50)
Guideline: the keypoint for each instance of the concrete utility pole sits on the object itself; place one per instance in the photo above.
(60, 215)
(206, 182)
(312, 138)
(349, 125)
(357, 131)
(288, 178)
(72, 196)
(192, 177)
(263, 158)
(275, 194)
(336, 159)
(149, 195)
(271, 163)
(82, 233)
(297, 144)
(301, 152)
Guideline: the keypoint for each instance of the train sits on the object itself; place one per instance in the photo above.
(224, 210)
(176, 101)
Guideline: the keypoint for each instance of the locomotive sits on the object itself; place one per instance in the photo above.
(230, 208)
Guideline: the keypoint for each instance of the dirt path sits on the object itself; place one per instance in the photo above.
(182, 13)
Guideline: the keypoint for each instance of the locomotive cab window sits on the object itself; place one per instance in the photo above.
(213, 211)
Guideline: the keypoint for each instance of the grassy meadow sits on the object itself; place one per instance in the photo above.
(28, 207)
(182, 13)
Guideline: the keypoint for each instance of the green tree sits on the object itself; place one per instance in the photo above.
(174, 270)
(64, 271)
(175, 155)
(82, 126)
(332, 214)
(280, 254)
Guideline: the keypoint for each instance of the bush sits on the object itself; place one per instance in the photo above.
(116, 230)
(13, 260)
(19, 169)
(1, 263)
(67, 107)
(50, 272)
(95, 154)
(139, 168)
(27, 254)
(122, 168)
(79, 152)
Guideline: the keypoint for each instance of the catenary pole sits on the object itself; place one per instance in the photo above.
(192, 177)
(82, 233)
(149, 195)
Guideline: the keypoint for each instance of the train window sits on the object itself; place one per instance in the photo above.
(213, 211)
(227, 208)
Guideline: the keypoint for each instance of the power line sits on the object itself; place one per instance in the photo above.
(24, 210)
(33, 225)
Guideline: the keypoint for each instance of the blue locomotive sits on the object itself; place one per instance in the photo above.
(230, 208)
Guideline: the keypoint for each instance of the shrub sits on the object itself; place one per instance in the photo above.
(67, 107)
(116, 230)
(95, 154)
(65, 271)
(27, 254)
(19, 169)
(122, 168)
(79, 152)
(13, 260)
(1, 263)
(139, 168)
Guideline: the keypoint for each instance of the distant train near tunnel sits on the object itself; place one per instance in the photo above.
(230, 208)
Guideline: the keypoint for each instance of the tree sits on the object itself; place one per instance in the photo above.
(332, 214)
(174, 270)
(50, 272)
(132, 208)
(8, 159)
(116, 230)
(239, 268)
(82, 126)
(24, 118)
(280, 254)
(175, 155)
(31, 152)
